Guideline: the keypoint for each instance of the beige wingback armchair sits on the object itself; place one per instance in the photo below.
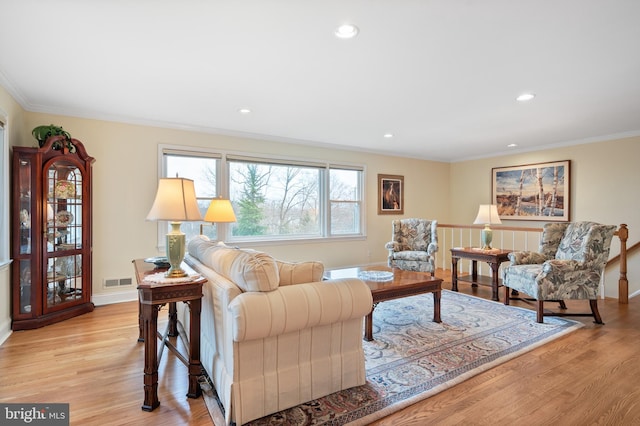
(568, 265)
(414, 244)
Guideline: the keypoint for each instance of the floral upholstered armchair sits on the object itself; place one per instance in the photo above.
(568, 265)
(415, 242)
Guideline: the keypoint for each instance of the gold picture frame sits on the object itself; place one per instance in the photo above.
(390, 194)
(538, 191)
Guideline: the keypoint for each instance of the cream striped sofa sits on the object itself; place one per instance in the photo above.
(274, 334)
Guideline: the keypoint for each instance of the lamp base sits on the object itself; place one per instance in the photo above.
(176, 243)
(486, 236)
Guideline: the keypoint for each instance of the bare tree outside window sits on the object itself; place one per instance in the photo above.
(274, 200)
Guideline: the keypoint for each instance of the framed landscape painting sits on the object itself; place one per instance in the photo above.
(533, 191)
(390, 194)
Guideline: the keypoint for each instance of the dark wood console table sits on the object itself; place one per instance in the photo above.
(151, 298)
(493, 257)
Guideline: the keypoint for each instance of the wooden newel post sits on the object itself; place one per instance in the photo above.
(623, 283)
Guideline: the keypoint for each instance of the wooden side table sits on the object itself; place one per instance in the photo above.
(493, 257)
(151, 298)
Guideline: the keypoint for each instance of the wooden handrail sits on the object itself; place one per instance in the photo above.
(494, 227)
(622, 233)
(623, 283)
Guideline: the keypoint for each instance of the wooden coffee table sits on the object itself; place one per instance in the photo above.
(403, 284)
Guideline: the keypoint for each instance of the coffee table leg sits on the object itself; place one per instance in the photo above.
(436, 306)
(368, 325)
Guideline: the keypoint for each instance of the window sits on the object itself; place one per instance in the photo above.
(203, 169)
(273, 199)
(345, 200)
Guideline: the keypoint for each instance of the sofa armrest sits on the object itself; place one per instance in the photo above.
(432, 248)
(526, 258)
(297, 307)
(561, 267)
(392, 246)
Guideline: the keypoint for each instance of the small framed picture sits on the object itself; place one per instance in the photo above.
(390, 194)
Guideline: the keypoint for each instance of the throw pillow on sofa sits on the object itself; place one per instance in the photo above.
(300, 272)
(250, 270)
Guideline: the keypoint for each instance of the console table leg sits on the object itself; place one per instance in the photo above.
(150, 322)
(195, 367)
(172, 327)
(454, 273)
(494, 281)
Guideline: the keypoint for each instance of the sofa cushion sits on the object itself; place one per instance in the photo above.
(299, 272)
(250, 270)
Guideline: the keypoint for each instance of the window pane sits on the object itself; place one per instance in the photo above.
(203, 171)
(272, 200)
(345, 201)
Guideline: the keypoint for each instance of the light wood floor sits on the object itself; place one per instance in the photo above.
(94, 362)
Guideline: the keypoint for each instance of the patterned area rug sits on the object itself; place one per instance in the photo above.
(412, 357)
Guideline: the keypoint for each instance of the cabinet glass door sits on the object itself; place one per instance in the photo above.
(63, 229)
(25, 233)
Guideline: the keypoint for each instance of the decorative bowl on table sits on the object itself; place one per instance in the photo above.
(160, 261)
(375, 275)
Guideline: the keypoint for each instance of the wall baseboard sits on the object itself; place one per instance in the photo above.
(5, 331)
(116, 297)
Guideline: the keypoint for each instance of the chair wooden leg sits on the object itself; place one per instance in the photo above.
(540, 311)
(506, 295)
(594, 309)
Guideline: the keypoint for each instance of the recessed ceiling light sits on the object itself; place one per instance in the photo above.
(244, 111)
(346, 31)
(512, 145)
(388, 135)
(525, 97)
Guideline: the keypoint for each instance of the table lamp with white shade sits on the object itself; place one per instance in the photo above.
(220, 211)
(487, 215)
(175, 202)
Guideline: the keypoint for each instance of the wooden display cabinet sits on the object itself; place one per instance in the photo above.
(51, 233)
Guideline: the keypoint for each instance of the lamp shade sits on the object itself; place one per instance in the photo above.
(487, 214)
(175, 201)
(219, 211)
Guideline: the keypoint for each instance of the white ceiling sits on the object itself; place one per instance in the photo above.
(441, 75)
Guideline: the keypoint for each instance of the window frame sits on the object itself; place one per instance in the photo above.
(222, 189)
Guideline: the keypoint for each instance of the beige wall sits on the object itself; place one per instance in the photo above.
(605, 178)
(125, 180)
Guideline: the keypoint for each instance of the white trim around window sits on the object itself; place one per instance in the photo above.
(223, 188)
